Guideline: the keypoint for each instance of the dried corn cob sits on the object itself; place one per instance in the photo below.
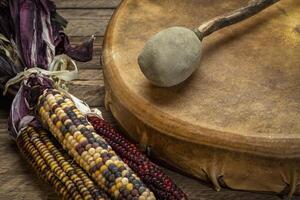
(90, 150)
(54, 166)
(86, 186)
(162, 186)
(40, 166)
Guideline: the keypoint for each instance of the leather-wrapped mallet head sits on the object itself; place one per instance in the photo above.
(170, 56)
(173, 54)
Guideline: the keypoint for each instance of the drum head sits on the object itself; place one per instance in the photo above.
(244, 100)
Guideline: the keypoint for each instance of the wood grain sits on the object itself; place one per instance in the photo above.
(91, 75)
(92, 92)
(86, 22)
(61, 4)
(18, 180)
(75, 40)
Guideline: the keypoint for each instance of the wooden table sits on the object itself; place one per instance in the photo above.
(19, 182)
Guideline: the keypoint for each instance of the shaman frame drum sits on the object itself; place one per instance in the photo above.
(236, 121)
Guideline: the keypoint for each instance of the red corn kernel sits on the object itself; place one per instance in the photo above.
(152, 176)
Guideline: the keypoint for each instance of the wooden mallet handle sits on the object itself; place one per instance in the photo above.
(217, 23)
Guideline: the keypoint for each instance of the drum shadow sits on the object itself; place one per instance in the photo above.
(167, 95)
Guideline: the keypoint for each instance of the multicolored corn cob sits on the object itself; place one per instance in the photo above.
(162, 186)
(89, 150)
(52, 163)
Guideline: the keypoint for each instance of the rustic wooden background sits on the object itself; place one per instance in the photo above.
(18, 181)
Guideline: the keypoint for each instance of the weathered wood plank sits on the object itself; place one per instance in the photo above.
(4, 112)
(89, 87)
(17, 179)
(3, 125)
(75, 40)
(87, 3)
(93, 64)
(86, 22)
(91, 75)
(201, 191)
(92, 92)
(84, 14)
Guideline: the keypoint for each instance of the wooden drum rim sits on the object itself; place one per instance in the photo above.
(271, 146)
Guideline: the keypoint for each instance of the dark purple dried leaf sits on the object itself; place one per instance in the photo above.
(32, 24)
(37, 31)
(82, 52)
(19, 110)
(39, 34)
(23, 105)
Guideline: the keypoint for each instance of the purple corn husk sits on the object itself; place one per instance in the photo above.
(23, 105)
(36, 33)
(39, 34)
(82, 52)
(32, 23)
